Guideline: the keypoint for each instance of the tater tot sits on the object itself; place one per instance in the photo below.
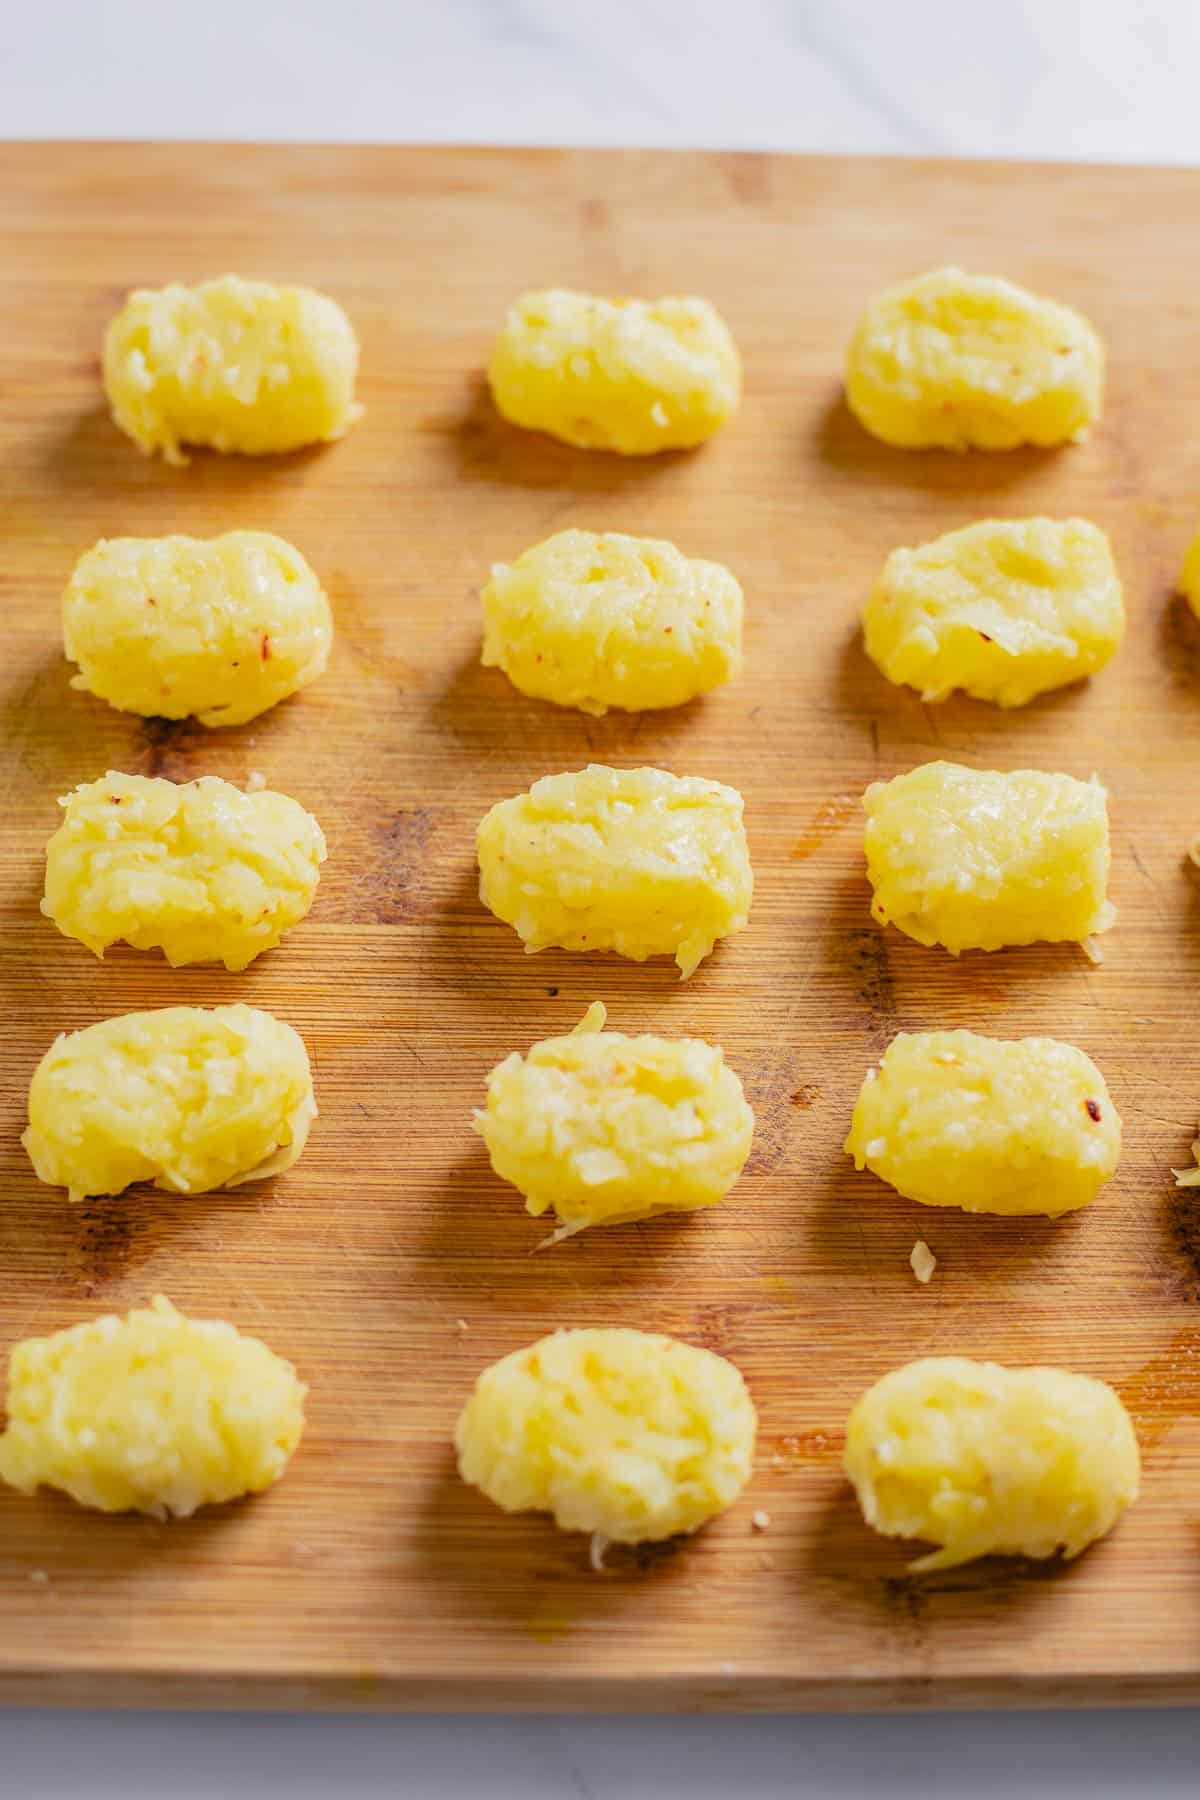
(188, 1097)
(153, 1413)
(986, 1461)
(605, 1128)
(1005, 610)
(222, 628)
(973, 860)
(1019, 1126)
(957, 361)
(633, 860)
(636, 376)
(196, 869)
(230, 365)
(596, 619)
(625, 1434)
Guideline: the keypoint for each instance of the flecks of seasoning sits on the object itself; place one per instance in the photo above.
(150, 600)
(266, 646)
(806, 1096)
(1093, 1109)
(985, 637)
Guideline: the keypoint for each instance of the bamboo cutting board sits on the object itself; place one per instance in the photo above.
(391, 1265)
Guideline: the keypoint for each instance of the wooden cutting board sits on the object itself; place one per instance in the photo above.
(391, 1265)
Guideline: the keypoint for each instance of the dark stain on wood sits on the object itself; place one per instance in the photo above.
(391, 892)
(168, 745)
(748, 173)
(100, 1254)
(593, 213)
(872, 974)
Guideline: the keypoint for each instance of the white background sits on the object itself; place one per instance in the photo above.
(1106, 79)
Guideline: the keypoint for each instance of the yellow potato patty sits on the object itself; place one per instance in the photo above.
(636, 376)
(603, 1128)
(986, 1461)
(230, 365)
(153, 1413)
(958, 361)
(198, 869)
(972, 859)
(620, 1432)
(955, 1119)
(1004, 610)
(633, 860)
(222, 627)
(597, 619)
(188, 1097)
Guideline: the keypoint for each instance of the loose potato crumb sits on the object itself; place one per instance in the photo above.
(596, 619)
(633, 860)
(635, 376)
(231, 364)
(972, 859)
(605, 1128)
(922, 1262)
(153, 1413)
(761, 1521)
(221, 628)
(256, 781)
(622, 1433)
(982, 1460)
(957, 361)
(186, 1097)
(198, 869)
(988, 1125)
(1005, 610)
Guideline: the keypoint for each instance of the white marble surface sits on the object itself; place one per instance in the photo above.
(1107, 79)
(1110, 79)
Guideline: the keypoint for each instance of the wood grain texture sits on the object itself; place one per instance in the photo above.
(390, 1265)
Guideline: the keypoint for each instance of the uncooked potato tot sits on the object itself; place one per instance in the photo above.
(957, 361)
(187, 1097)
(153, 1413)
(973, 860)
(231, 365)
(196, 869)
(1017, 1126)
(633, 860)
(604, 1128)
(1004, 610)
(220, 627)
(597, 619)
(622, 1433)
(987, 1461)
(635, 376)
